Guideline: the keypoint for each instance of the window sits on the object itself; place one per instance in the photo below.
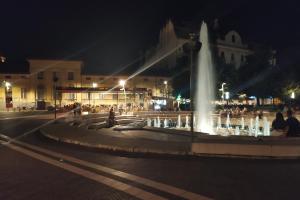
(88, 78)
(101, 78)
(7, 77)
(40, 75)
(101, 96)
(222, 55)
(232, 57)
(70, 76)
(24, 77)
(115, 96)
(71, 96)
(40, 92)
(145, 79)
(23, 93)
(233, 38)
(54, 75)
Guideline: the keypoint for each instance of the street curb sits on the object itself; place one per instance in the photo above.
(207, 152)
(115, 148)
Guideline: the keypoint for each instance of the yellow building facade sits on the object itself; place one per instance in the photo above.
(48, 80)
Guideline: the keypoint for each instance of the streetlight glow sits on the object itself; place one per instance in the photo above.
(122, 83)
(95, 85)
(227, 95)
(293, 95)
(165, 82)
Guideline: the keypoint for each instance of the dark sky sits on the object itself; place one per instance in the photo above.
(109, 34)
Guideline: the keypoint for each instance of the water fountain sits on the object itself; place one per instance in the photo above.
(237, 130)
(158, 122)
(242, 123)
(205, 84)
(166, 123)
(204, 97)
(219, 126)
(228, 124)
(148, 121)
(187, 126)
(178, 122)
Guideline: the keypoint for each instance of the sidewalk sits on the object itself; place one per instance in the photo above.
(129, 141)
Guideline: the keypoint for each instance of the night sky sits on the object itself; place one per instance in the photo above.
(107, 35)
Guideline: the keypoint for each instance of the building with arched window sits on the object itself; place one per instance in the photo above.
(232, 49)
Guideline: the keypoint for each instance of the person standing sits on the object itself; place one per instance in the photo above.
(293, 124)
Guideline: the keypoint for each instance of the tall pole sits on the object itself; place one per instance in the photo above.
(125, 99)
(55, 101)
(191, 91)
(192, 38)
(55, 79)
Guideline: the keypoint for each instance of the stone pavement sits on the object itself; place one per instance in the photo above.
(128, 141)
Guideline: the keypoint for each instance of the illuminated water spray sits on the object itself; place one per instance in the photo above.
(205, 84)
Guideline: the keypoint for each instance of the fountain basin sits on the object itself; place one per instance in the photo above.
(246, 146)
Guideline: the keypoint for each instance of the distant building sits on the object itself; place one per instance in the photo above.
(232, 49)
(34, 86)
(229, 46)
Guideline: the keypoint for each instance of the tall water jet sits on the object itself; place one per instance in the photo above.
(256, 126)
(158, 122)
(178, 122)
(250, 127)
(166, 123)
(219, 126)
(205, 84)
(242, 123)
(187, 122)
(237, 130)
(228, 123)
(148, 121)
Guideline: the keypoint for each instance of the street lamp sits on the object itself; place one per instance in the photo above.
(293, 95)
(7, 85)
(195, 46)
(94, 85)
(122, 84)
(227, 96)
(166, 88)
(222, 90)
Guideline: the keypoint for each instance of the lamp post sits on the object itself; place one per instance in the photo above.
(122, 84)
(166, 88)
(223, 90)
(8, 94)
(195, 46)
(55, 79)
(227, 96)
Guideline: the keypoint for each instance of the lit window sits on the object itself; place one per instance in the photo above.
(23, 93)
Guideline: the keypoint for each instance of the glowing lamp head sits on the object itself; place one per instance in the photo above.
(94, 85)
(293, 95)
(7, 84)
(227, 95)
(165, 82)
(122, 83)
